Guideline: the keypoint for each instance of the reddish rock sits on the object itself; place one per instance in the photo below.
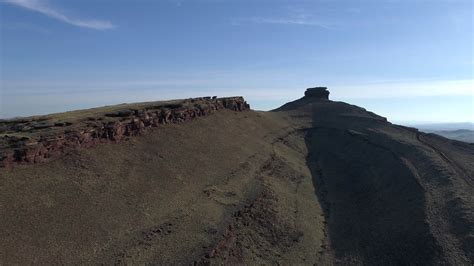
(132, 123)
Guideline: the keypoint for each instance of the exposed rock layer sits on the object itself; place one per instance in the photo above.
(39, 139)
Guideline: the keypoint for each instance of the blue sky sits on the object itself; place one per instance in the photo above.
(407, 60)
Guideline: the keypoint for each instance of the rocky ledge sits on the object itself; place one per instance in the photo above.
(38, 139)
(317, 93)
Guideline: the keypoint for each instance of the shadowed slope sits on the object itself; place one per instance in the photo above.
(391, 196)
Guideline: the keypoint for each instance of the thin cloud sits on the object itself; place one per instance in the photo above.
(297, 21)
(40, 7)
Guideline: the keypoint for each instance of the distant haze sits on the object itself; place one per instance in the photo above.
(442, 126)
(457, 131)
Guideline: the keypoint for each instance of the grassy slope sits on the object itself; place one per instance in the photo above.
(167, 197)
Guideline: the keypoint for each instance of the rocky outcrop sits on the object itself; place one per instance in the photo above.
(317, 93)
(37, 139)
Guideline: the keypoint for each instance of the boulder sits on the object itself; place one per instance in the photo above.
(317, 93)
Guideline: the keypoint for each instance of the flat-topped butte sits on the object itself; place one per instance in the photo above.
(36, 139)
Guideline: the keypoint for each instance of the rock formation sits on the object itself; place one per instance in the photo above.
(317, 93)
(33, 140)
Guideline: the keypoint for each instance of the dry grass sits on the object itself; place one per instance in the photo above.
(166, 197)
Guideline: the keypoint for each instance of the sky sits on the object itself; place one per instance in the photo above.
(410, 61)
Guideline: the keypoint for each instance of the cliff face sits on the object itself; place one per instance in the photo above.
(39, 139)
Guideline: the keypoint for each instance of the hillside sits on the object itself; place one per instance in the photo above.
(391, 194)
(313, 182)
